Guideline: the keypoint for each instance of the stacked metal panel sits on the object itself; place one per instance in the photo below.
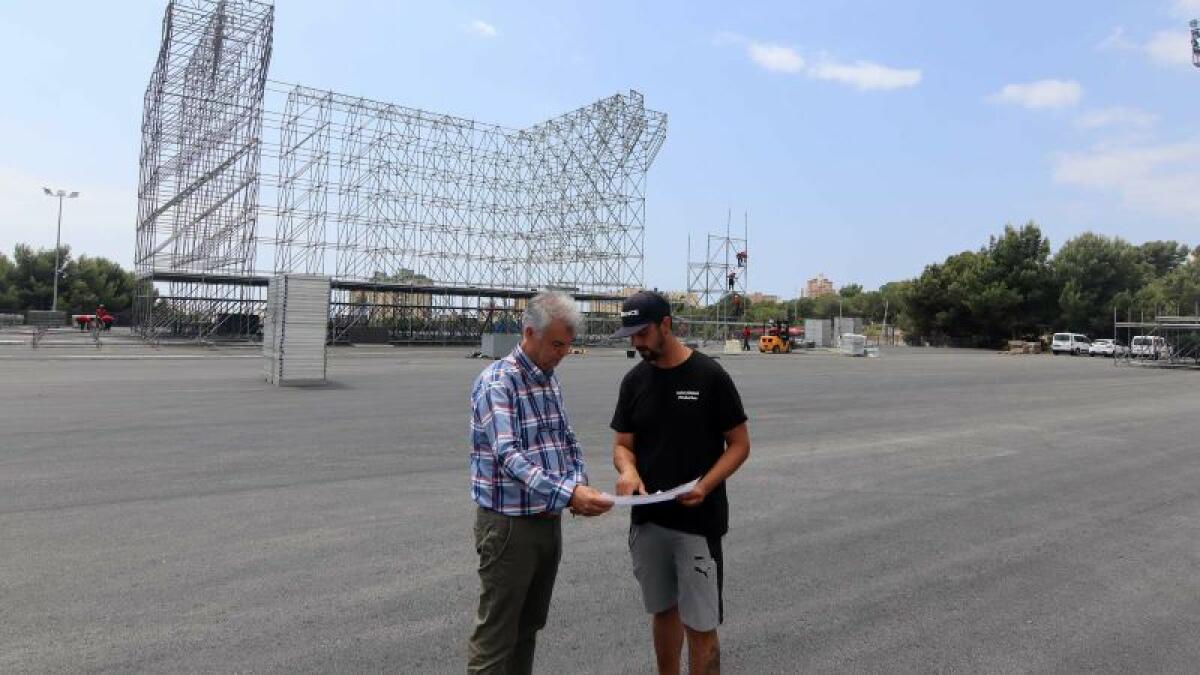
(817, 331)
(498, 345)
(853, 344)
(270, 318)
(847, 324)
(295, 330)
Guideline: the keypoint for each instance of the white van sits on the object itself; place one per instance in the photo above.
(1148, 347)
(1069, 343)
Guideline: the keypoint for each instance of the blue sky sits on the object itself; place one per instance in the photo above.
(865, 139)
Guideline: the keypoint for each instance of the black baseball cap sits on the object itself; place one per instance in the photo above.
(640, 310)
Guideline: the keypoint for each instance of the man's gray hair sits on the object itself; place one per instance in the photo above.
(550, 306)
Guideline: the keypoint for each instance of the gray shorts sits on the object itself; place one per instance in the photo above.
(679, 568)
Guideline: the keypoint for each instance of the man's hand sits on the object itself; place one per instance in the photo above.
(588, 501)
(695, 496)
(630, 483)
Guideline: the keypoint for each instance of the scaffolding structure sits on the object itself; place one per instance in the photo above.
(1166, 341)
(718, 282)
(433, 228)
(198, 187)
(1194, 24)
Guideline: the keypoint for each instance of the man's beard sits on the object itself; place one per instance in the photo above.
(649, 354)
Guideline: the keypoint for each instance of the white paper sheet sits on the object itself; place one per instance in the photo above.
(639, 500)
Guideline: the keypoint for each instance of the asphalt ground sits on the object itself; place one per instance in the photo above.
(927, 511)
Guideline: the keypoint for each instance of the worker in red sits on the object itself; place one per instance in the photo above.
(745, 338)
(104, 320)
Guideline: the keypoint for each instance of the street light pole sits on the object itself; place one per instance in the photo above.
(57, 248)
(61, 195)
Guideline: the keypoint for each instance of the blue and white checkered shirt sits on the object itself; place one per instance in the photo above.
(525, 458)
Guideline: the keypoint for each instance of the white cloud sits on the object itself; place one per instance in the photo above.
(1116, 41)
(1116, 116)
(1041, 94)
(1170, 47)
(1159, 179)
(482, 29)
(866, 75)
(863, 75)
(1167, 47)
(775, 57)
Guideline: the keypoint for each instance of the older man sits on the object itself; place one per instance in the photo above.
(526, 466)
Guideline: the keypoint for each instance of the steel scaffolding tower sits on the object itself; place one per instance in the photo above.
(718, 282)
(723, 271)
(1195, 26)
(432, 227)
(198, 199)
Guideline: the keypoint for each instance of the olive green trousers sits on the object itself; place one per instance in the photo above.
(518, 560)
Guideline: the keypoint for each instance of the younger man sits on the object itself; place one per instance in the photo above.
(679, 417)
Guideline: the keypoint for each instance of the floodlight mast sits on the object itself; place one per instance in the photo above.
(60, 195)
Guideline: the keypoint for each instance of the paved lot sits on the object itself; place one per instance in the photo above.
(925, 511)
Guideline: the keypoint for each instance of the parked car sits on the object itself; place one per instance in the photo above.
(1106, 347)
(1069, 343)
(1149, 347)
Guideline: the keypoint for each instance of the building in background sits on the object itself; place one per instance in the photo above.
(682, 299)
(756, 298)
(818, 286)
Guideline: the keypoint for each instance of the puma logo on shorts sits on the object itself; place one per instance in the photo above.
(680, 569)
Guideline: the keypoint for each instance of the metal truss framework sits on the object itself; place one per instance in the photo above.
(1180, 341)
(431, 226)
(198, 191)
(720, 278)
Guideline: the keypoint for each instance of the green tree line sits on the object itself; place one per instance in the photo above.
(27, 282)
(1013, 288)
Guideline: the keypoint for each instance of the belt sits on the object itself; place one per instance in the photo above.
(544, 515)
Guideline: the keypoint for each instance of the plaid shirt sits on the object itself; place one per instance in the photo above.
(525, 458)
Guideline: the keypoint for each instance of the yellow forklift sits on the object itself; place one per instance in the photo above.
(776, 338)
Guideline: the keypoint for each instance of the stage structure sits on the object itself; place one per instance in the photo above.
(433, 228)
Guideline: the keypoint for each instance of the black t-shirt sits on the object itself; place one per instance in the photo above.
(679, 417)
